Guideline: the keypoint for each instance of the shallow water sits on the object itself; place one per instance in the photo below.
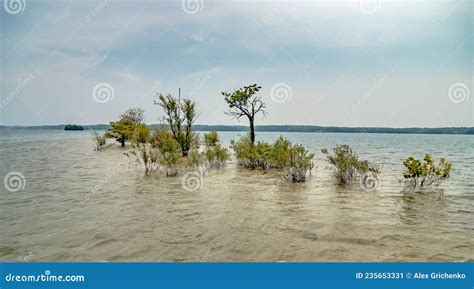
(81, 205)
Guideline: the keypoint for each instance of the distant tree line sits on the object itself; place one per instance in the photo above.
(287, 128)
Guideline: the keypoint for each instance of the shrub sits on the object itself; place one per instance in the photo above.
(427, 172)
(299, 163)
(245, 152)
(280, 154)
(99, 140)
(169, 148)
(215, 155)
(143, 152)
(194, 159)
(263, 155)
(295, 160)
(347, 166)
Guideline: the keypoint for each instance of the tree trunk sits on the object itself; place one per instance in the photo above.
(252, 131)
(122, 141)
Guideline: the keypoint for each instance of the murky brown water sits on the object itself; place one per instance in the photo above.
(235, 214)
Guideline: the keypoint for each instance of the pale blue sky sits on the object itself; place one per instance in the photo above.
(346, 64)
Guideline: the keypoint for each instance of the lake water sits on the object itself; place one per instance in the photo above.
(82, 205)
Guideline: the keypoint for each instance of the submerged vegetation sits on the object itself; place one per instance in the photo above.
(99, 140)
(426, 173)
(282, 155)
(170, 146)
(347, 166)
(215, 155)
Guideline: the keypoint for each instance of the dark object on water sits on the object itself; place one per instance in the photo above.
(73, 127)
(310, 234)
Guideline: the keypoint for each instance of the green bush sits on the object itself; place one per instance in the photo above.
(215, 155)
(295, 160)
(245, 152)
(347, 166)
(299, 163)
(143, 152)
(169, 148)
(427, 172)
(280, 154)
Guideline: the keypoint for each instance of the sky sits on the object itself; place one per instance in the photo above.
(349, 63)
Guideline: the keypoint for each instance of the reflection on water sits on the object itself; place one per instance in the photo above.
(81, 205)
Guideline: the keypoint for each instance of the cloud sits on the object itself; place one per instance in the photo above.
(144, 47)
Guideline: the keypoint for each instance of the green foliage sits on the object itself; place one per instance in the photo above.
(124, 128)
(73, 127)
(211, 138)
(347, 166)
(295, 160)
(243, 102)
(170, 150)
(140, 134)
(427, 172)
(142, 151)
(299, 163)
(215, 155)
(195, 159)
(99, 140)
(180, 118)
(245, 152)
(241, 96)
(280, 154)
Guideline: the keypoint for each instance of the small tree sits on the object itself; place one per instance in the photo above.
(124, 128)
(243, 102)
(426, 173)
(180, 126)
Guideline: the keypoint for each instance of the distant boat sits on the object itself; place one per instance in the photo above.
(73, 127)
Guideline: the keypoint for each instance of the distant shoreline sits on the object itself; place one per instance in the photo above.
(288, 128)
